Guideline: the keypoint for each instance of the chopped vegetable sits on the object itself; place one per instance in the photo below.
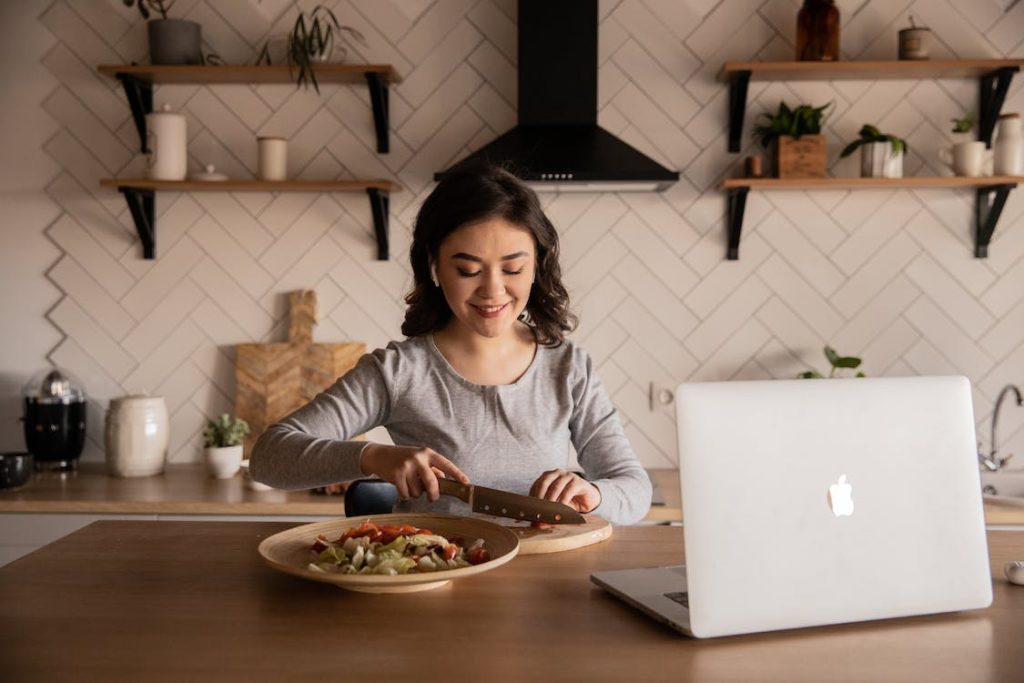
(392, 549)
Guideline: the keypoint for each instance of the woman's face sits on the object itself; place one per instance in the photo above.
(486, 272)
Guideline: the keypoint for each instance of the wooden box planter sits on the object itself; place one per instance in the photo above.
(802, 157)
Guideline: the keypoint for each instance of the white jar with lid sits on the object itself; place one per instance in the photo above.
(167, 142)
(136, 436)
(1008, 147)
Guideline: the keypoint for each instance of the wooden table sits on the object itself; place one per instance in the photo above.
(191, 601)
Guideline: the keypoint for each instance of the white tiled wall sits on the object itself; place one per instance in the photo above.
(883, 274)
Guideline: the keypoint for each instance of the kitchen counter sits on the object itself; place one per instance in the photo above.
(186, 490)
(193, 601)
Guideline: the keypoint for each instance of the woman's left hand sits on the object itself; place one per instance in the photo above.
(567, 488)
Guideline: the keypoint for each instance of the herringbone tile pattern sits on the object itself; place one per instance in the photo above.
(888, 275)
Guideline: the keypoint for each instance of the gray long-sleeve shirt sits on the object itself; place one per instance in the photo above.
(503, 436)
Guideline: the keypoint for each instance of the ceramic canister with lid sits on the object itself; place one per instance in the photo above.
(1008, 148)
(167, 140)
(136, 436)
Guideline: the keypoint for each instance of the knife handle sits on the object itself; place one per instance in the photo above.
(450, 487)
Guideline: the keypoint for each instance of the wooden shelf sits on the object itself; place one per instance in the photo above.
(138, 81)
(867, 70)
(232, 185)
(991, 193)
(994, 76)
(921, 182)
(325, 73)
(140, 195)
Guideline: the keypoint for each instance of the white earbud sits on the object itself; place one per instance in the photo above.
(433, 277)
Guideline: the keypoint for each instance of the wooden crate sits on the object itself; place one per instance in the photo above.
(802, 157)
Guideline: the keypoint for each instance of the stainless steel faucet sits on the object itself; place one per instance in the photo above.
(994, 462)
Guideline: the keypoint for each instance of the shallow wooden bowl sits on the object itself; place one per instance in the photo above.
(288, 551)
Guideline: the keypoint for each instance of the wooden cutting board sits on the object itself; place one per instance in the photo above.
(555, 539)
(272, 380)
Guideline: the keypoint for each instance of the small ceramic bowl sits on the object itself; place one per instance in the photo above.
(251, 483)
(15, 470)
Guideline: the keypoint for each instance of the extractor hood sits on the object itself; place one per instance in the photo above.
(557, 144)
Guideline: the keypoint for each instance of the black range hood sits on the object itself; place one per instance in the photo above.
(557, 144)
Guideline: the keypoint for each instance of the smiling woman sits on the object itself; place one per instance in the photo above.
(486, 387)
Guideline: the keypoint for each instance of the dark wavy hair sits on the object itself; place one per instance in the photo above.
(472, 195)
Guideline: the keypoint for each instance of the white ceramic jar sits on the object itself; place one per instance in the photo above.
(273, 158)
(168, 143)
(136, 436)
(1008, 147)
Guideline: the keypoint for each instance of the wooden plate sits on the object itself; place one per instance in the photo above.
(555, 539)
(288, 551)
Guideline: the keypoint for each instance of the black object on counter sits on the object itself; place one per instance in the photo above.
(54, 420)
(15, 470)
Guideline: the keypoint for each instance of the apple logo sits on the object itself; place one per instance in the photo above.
(840, 498)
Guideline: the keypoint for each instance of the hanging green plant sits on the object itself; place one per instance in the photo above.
(312, 41)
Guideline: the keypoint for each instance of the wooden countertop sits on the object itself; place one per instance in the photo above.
(193, 601)
(186, 490)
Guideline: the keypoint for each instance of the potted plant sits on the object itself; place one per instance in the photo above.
(967, 156)
(171, 41)
(838, 363)
(795, 136)
(223, 445)
(311, 41)
(881, 154)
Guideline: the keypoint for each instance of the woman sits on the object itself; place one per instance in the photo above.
(485, 389)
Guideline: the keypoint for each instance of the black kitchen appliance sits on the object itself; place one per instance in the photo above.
(54, 419)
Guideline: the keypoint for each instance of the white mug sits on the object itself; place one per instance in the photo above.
(967, 158)
(273, 158)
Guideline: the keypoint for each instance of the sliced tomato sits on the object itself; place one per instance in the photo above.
(450, 551)
(478, 556)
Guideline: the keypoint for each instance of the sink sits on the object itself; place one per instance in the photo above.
(1005, 486)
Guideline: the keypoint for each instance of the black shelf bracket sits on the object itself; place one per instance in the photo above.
(737, 198)
(379, 203)
(737, 107)
(142, 205)
(987, 209)
(991, 94)
(140, 98)
(378, 86)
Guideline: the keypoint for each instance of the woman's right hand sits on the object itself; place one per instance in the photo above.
(411, 469)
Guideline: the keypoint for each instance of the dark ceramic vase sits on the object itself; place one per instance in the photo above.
(175, 41)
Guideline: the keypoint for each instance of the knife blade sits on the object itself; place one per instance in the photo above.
(512, 505)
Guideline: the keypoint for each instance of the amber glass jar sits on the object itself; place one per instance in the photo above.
(817, 31)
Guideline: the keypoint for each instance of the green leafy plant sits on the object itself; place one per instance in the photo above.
(804, 120)
(868, 134)
(146, 7)
(226, 430)
(312, 40)
(965, 124)
(838, 363)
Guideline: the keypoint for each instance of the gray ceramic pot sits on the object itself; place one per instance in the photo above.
(175, 41)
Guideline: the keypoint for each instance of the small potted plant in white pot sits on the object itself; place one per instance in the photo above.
(171, 41)
(881, 154)
(223, 440)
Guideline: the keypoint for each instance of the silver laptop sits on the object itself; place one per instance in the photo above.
(811, 502)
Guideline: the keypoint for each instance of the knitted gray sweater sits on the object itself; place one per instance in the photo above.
(502, 436)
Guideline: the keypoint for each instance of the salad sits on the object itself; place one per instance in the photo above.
(393, 549)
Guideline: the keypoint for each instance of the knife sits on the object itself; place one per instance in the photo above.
(505, 504)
